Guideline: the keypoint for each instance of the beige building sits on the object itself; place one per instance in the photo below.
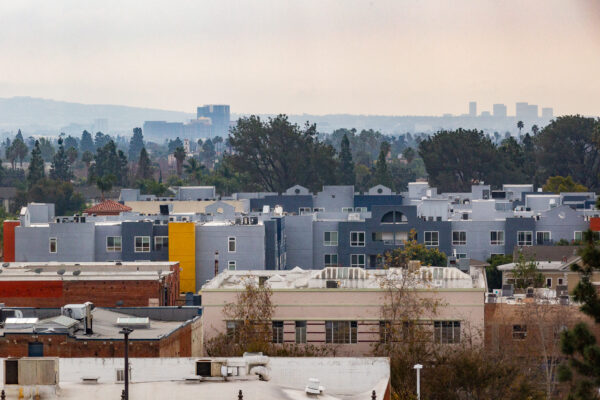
(342, 307)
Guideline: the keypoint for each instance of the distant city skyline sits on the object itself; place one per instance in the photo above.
(378, 57)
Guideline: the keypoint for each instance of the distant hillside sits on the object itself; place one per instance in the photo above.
(42, 116)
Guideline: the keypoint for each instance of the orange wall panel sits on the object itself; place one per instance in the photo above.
(595, 224)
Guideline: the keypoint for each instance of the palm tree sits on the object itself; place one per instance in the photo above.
(193, 169)
(535, 129)
(520, 125)
(179, 155)
(105, 183)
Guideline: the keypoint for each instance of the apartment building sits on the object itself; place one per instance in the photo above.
(337, 226)
(341, 307)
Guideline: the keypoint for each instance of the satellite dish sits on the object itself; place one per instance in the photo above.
(60, 272)
(38, 270)
(159, 272)
(5, 265)
(76, 272)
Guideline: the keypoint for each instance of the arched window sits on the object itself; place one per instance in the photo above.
(394, 217)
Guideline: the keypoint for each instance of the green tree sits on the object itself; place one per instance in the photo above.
(568, 146)
(109, 161)
(19, 150)
(71, 142)
(61, 167)
(414, 251)
(520, 125)
(136, 144)
(382, 175)
(174, 144)
(179, 155)
(582, 368)
(150, 186)
(454, 160)
(87, 143)
(62, 194)
(208, 153)
(346, 175)
(144, 166)
(526, 273)
(72, 155)
(493, 275)
(558, 184)
(10, 153)
(194, 170)
(35, 172)
(101, 140)
(105, 183)
(277, 154)
(409, 154)
(47, 149)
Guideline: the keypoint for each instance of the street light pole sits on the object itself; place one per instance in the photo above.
(216, 263)
(418, 367)
(126, 332)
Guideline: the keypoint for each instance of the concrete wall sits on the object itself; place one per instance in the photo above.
(249, 254)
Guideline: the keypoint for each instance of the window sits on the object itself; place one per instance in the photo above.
(542, 237)
(360, 209)
(161, 243)
(519, 332)
(340, 332)
(393, 217)
(347, 209)
(142, 244)
(35, 349)
(524, 238)
(231, 265)
(304, 210)
(318, 209)
(548, 282)
(461, 255)
(432, 238)
(300, 332)
(113, 243)
(497, 238)
(231, 244)
(446, 331)
(233, 330)
(385, 331)
(277, 331)
(53, 245)
(560, 281)
(357, 239)
(331, 260)
(459, 238)
(330, 238)
(578, 236)
(357, 260)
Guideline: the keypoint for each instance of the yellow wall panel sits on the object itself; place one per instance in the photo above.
(182, 248)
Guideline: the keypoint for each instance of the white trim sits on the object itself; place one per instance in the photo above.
(330, 243)
(357, 263)
(114, 247)
(330, 263)
(459, 242)
(497, 242)
(357, 239)
(162, 244)
(135, 248)
(230, 263)
(229, 244)
(55, 245)
(431, 243)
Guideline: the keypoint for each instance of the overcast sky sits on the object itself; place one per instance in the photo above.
(394, 57)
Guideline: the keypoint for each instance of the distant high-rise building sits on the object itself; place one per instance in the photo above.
(526, 112)
(101, 125)
(219, 116)
(485, 114)
(499, 110)
(521, 109)
(472, 109)
(547, 113)
(162, 129)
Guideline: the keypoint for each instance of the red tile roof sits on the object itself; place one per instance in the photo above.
(108, 207)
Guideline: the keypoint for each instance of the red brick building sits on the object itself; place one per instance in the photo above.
(129, 284)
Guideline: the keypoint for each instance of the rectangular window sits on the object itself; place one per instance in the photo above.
(524, 238)
(459, 238)
(357, 239)
(113, 243)
(300, 332)
(340, 332)
(446, 331)
(330, 238)
(142, 244)
(161, 243)
(231, 265)
(304, 210)
(53, 245)
(347, 209)
(318, 209)
(360, 209)
(560, 281)
(385, 331)
(543, 237)
(461, 255)
(277, 331)
(233, 331)
(432, 238)
(331, 260)
(357, 260)
(519, 332)
(578, 236)
(548, 282)
(231, 244)
(497, 238)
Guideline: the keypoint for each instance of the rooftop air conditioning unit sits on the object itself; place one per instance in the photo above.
(253, 220)
(354, 217)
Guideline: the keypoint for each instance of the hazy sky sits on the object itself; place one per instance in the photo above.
(371, 57)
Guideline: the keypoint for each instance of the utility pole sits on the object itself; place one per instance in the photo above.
(126, 332)
(418, 367)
